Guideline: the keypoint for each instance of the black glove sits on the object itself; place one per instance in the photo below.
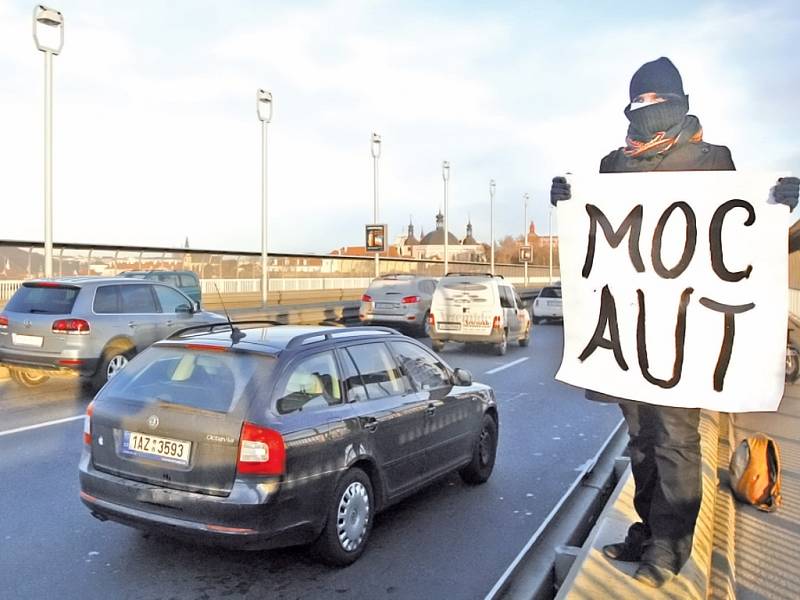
(561, 190)
(786, 191)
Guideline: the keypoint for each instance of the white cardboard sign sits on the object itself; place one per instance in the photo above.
(675, 288)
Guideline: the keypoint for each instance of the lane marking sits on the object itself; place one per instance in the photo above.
(40, 425)
(507, 365)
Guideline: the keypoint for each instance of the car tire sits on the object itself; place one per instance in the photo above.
(349, 520)
(792, 364)
(525, 341)
(425, 328)
(484, 453)
(113, 359)
(437, 345)
(501, 346)
(27, 378)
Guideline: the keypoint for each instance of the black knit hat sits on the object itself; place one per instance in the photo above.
(658, 76)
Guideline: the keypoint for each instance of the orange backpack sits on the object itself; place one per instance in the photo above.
(755, 472)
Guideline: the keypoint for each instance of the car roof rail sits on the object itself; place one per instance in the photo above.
(467, 274)
(346, 331)
(219, 325)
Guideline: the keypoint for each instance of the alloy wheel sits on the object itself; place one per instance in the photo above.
(116, 364)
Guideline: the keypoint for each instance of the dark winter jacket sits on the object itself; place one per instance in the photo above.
(687, 157)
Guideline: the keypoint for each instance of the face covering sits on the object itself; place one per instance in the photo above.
(651, 119)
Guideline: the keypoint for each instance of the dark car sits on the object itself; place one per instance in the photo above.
(185, 281)
(271, 436)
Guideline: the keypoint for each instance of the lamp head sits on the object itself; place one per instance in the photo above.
(264, 105)
(445, 170)
(375, 146)
(48, 29)
(491, 186)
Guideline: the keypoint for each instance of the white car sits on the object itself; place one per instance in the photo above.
(478, 308)
(547, 304)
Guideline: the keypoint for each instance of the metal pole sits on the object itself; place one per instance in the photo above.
(491, 219)
(525, 238)
(375, 210)
(446, 178)
(48, 164)
(264, 257)
(550, 235)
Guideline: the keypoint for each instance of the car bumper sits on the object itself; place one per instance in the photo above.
(495, 336)
(253, 516)
(52, 362)
(409, 319)
(548, 313)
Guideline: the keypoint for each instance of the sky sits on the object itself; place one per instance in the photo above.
(156, 136)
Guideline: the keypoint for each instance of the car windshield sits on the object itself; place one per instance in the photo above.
(50, 299)
(554, 292)
(199, 379)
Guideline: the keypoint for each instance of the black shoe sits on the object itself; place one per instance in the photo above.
(623, 551)
(650, 574)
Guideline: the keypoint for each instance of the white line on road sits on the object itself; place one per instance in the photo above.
(38, 425)
(511, 364)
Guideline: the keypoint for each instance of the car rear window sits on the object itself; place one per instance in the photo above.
(550, 293)
(188, 280)
(195, 378)
(465, 286)
(50, 299)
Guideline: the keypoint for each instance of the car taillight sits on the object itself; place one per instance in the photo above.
(87, 424)
(366, 298)
(431, 320)
(71, 326)
(496, 324)
(261, 451)
(3, 323)
(410, 300)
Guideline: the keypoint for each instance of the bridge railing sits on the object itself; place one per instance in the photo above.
(233, 272)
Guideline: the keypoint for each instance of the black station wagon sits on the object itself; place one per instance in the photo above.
(257, 436)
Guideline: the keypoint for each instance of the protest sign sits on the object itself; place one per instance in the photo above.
(675, 288)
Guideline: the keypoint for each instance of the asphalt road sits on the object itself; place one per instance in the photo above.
(450, 541)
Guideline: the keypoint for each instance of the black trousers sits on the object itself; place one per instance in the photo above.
(664, 450)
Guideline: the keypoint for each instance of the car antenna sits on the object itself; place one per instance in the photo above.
(236, 334)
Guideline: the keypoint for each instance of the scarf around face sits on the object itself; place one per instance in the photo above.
(658, 128)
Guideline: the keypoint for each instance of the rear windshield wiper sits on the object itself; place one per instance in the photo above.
(41, 311)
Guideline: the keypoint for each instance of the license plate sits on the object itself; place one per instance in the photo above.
(553, 303)
(386, 305)
(26, 340)
(160, 448)
(443, 326)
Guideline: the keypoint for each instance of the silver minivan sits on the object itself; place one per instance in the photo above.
(398, 301)
(91, 326)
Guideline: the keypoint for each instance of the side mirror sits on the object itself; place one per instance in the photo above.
(462, 377)
(184, 309)
(195, 307)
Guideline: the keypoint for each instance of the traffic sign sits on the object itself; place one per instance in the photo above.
(375, 238)
(525, 254)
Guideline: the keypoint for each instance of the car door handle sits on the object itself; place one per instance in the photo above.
(369, 423)
(430, 409)
(132, 324)
(170, 323)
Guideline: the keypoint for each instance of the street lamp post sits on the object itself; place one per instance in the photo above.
(446, 178)
(491, 219)
(264, 112)
(525, 236)
(48, 33)
(550, 242)
(375, 148)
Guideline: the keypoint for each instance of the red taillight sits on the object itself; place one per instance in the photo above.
(71, 326)
(261, 451)
(87, 424)
(431, 320)
(3, 323)
(496, 324)
(206, 347)
(51, 284)
(366, 298)
(410, 300)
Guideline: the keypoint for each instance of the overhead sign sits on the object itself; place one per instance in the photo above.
(675, 288)
(525, 254)
(375, 238)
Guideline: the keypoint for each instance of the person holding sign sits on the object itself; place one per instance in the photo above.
(664, 444)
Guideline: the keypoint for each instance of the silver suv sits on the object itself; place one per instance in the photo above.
(398, 301)
(90, 326)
